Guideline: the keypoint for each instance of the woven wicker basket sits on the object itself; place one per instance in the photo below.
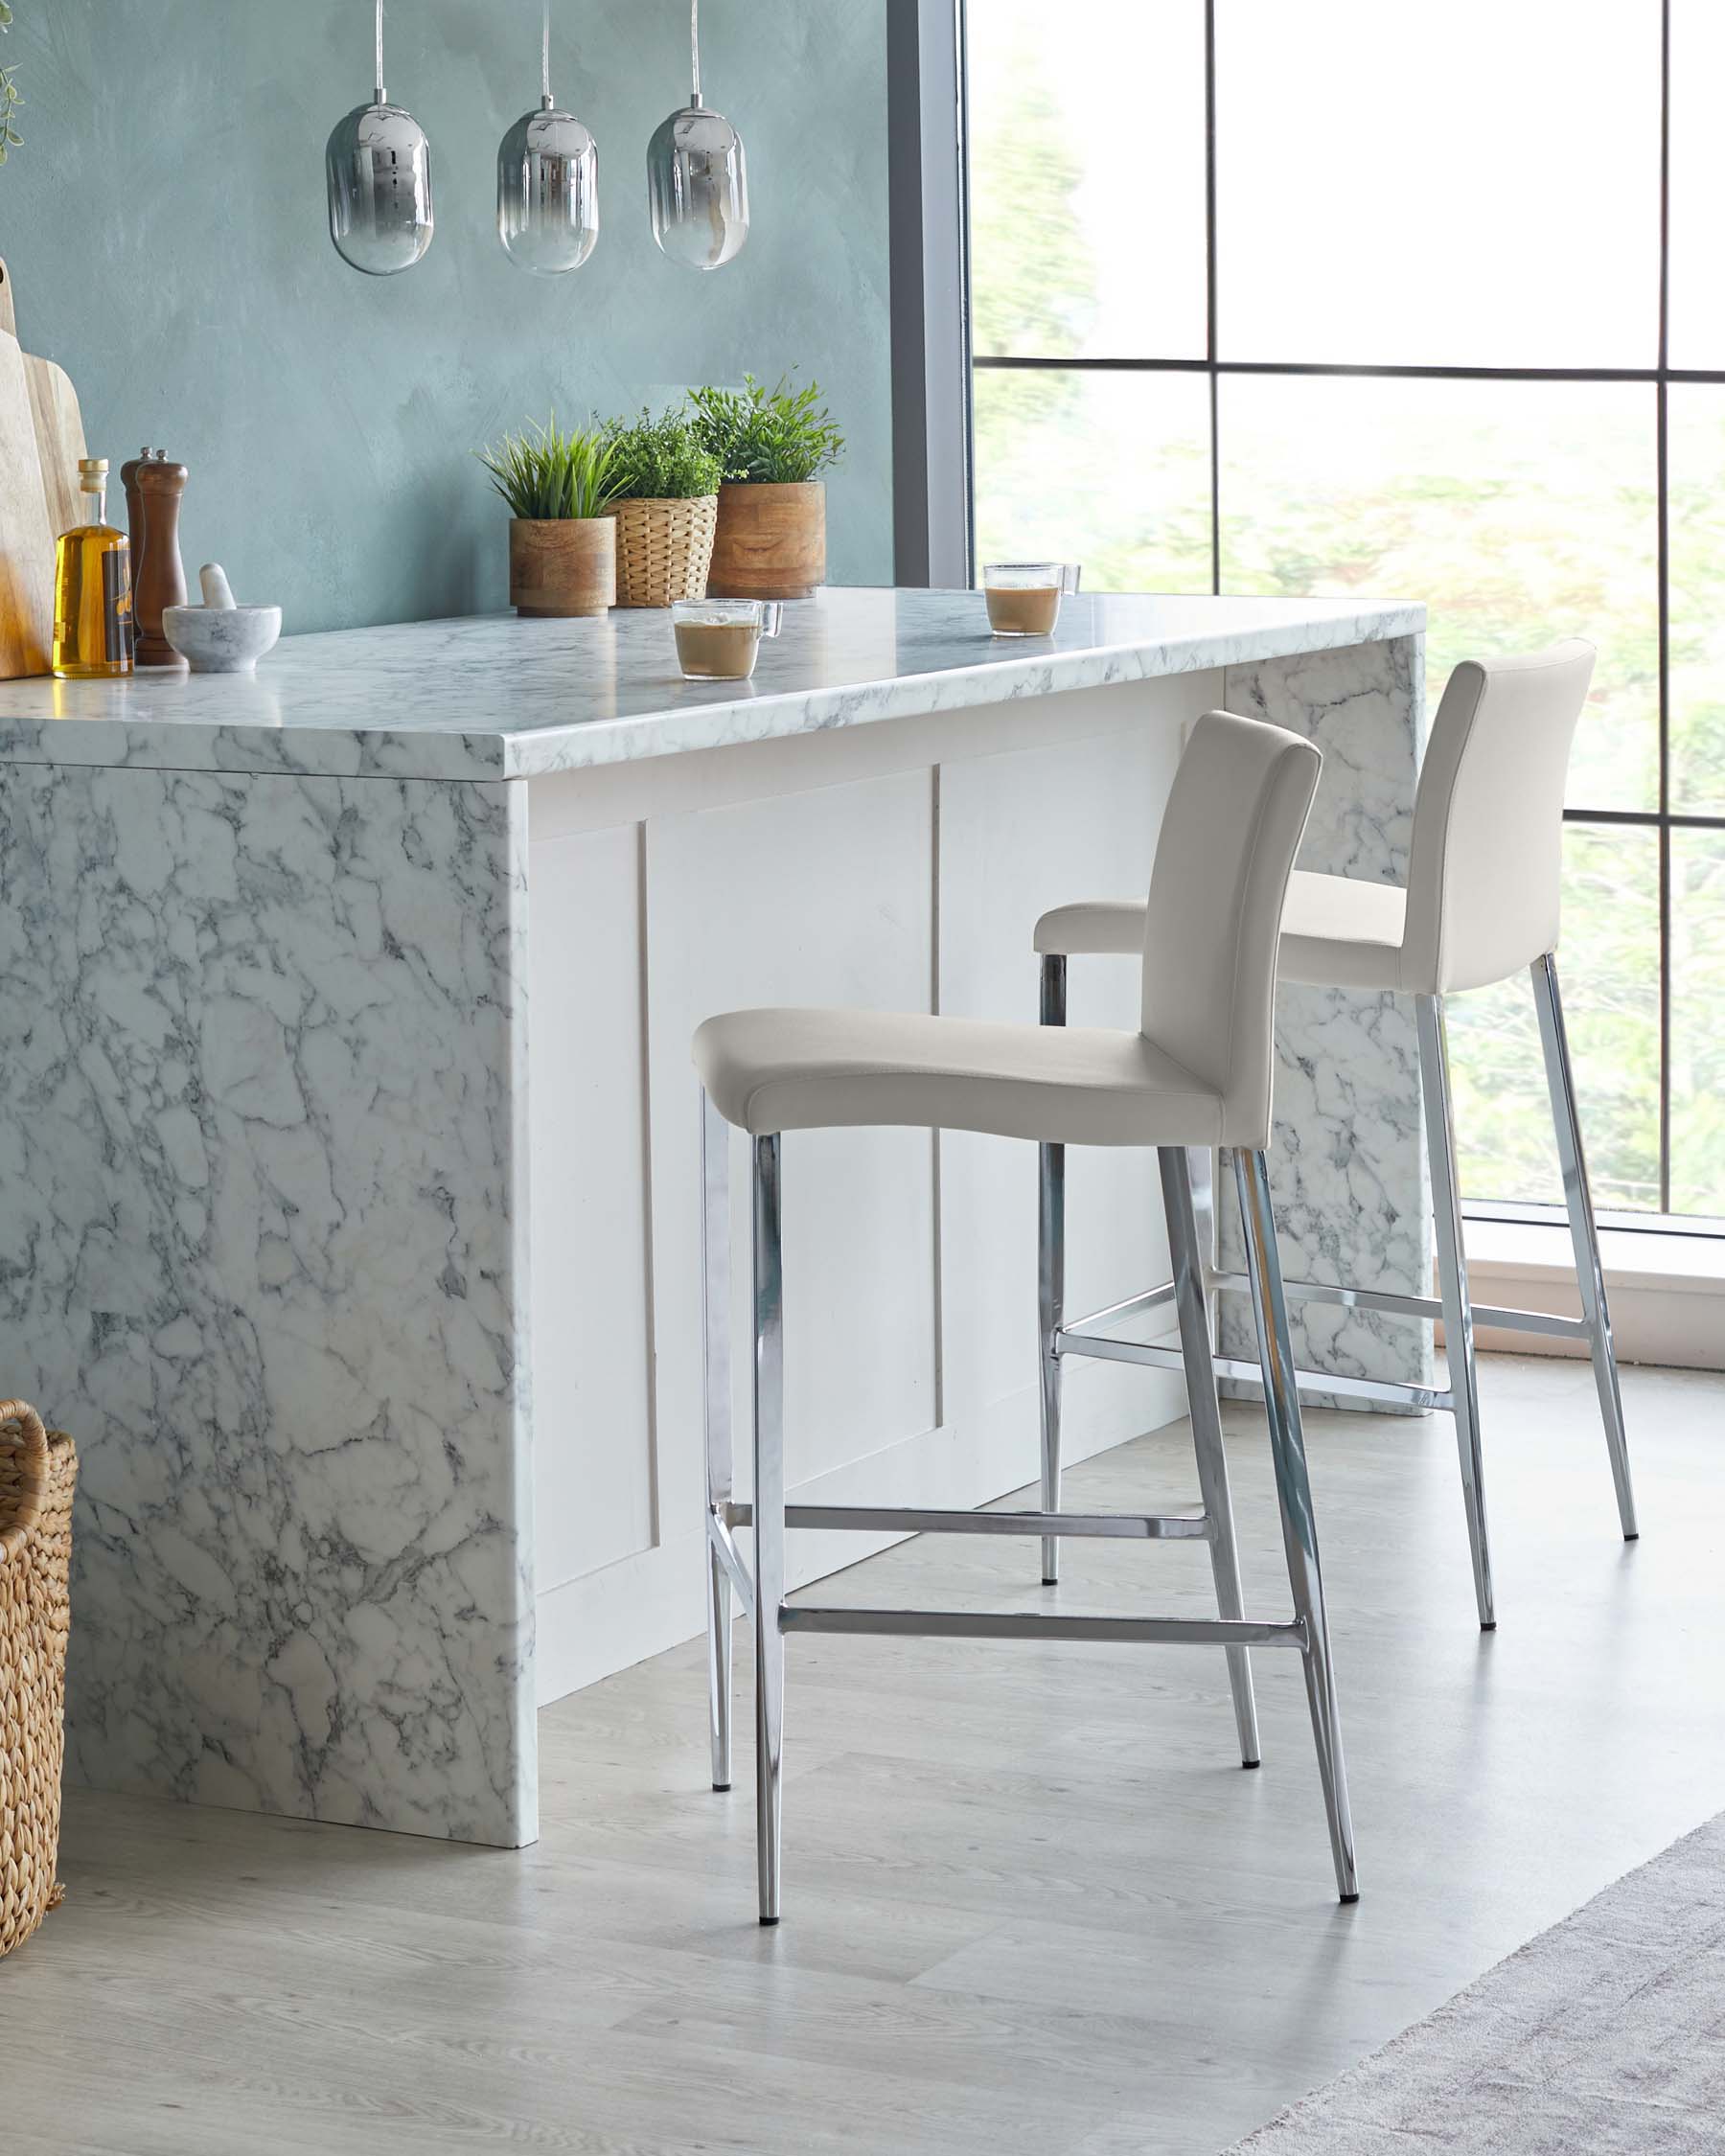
(38, 1471)
(664, 549)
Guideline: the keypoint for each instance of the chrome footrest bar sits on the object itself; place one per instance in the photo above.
(1412, 1306)
(1134, 1306)
(1383, 1390)
(1015, 1624)
(719, 1536)
(914, 1519)
(1348, 1299)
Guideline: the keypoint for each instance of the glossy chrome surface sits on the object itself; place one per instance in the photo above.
(698, 188)
(548, 192)
(1201, 1177)
(1294, 1489)
(1132, 1306)
(378, 168)
(769, 1516)
(1406, 1306)
(1451, 1281)
(1187, 1253)
(769, 1521)
(1050, 1278)
(697, 178)
(730, 1557)
(378, 176)
(1038, 1624)
(1390, 1391)
(1584, 1234)
(919, 1520)
(715, 1397)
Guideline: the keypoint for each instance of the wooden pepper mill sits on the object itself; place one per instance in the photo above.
(154, 488)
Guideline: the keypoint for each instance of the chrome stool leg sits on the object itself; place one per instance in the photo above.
(1584, 1234)
(1185, 1249)
(1294, 1491)
(1452, 1283)
(769, 1521)
(1050, 1280)
(715, 1327)
(1200, 1175)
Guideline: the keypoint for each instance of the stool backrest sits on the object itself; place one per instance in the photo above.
(1486, 865)
(1229, 835)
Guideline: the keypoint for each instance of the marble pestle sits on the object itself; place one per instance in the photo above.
(217, 592)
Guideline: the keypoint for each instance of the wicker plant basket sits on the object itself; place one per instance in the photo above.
(38, 1471)
(664, 549)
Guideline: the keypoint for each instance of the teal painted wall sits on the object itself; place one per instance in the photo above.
(165, 228)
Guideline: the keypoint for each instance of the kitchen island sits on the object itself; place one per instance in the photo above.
(348, 1136)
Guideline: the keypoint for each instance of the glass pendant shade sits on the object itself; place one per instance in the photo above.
(698, 189)
(548, 185)
(378, 169)
(698, 179)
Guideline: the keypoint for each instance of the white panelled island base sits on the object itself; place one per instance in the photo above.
(349, 1139)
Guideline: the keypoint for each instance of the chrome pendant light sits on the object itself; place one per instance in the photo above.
(696, 180)
(547, 183)
(378, 170)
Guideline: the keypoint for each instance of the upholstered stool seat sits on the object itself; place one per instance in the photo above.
(815, 1070)
(1336, 932)
(1195, 1075)
(1480, 906)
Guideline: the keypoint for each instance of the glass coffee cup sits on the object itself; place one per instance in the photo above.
(719, 639)
(1024, 597)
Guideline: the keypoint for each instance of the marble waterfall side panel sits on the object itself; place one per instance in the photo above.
(261, 1149)
(1348, 1167)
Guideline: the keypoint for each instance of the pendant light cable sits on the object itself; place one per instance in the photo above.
(381, 98)
(694, 47)
(545, 58)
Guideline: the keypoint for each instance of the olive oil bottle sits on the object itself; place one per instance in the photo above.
(92, 588)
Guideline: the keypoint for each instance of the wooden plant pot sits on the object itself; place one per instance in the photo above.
(562, 564)
(663, 548)
(770, 541)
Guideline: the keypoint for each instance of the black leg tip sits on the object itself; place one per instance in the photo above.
(1349, 1900)
(719, 1787)
(1488, 1624)
(1047, 1582)
(1247, 1765)
(1635, 1537)
(768, 1922)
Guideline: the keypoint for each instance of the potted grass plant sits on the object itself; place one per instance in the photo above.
(667, 504)
(9, 100)
(772, 445)
(563, 544)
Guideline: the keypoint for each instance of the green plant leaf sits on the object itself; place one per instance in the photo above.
(662, 458)
(550, 475)
(779, 436)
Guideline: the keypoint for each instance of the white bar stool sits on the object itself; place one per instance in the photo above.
(1482, 902)
(1199, 1077)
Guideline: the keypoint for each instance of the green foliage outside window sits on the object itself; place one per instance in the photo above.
(1519, 513)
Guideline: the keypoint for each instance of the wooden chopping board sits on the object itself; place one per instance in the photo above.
(59, 437)
(41, 439)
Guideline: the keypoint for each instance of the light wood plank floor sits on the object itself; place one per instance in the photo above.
(1033, 1905)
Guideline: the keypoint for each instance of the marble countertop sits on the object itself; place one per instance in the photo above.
(495, 698)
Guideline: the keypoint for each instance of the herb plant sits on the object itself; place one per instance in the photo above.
(9, 100)
(548, 475)
(661, 459)
(770, 436)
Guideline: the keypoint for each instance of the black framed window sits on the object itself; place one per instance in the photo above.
(1289, 299)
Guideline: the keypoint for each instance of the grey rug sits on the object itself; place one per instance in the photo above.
(1605, 2036)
